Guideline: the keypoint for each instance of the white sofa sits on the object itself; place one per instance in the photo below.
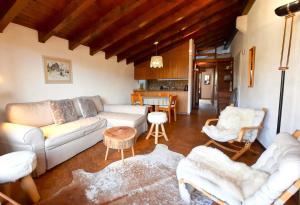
(30, 126)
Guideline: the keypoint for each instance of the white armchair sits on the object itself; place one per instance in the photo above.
(237, 126)
(273, 179)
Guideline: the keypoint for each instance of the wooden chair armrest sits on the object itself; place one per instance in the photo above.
(4, 198)
(296, 134)
(210, 121)
(243, 130)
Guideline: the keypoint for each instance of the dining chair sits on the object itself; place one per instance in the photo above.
(136, 99)
(163, 94)
(170, 107)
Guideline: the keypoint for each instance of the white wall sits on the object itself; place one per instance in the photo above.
(22, 75)
(265, 31)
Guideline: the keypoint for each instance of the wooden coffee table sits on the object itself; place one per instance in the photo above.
(120, 138)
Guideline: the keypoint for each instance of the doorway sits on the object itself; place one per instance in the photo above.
(204, 86)
(212, 83)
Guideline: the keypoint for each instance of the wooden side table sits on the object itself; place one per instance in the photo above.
(119, 138)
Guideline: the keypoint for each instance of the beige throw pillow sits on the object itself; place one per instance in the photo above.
(63, 111)
(87, 107)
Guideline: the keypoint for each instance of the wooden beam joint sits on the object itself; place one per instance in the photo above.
(13, 8)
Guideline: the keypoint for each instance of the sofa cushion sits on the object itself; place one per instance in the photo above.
(57, 135)
(122, 119)
(63, 111)
(39, 112)
(218, 134)
(96, 99)
(87, 107)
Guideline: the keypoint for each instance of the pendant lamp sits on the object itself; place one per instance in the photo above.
(156, 61)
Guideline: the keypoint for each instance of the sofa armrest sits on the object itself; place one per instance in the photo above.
(15, 137)
(130, 109)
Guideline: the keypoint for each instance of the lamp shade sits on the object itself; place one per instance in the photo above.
(156, 62)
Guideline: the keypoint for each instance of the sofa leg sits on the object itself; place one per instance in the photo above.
(29, 187)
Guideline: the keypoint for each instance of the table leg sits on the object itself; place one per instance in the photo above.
(106, 154)
(122, 155)
(132, 150)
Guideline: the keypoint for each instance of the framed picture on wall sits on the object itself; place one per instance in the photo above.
(251, 67)
(206, 79)
(57, 70)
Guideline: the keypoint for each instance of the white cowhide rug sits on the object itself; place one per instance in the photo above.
(143, 179)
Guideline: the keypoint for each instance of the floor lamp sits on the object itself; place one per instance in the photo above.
(288, 11)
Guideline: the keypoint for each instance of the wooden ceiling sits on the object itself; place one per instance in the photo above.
(127, 28)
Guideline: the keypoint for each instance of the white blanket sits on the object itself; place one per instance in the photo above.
(215, 169)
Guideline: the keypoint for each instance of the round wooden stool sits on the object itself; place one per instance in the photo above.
(157, 119)
(119, 138)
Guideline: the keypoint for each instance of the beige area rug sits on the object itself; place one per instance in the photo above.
(143, 179)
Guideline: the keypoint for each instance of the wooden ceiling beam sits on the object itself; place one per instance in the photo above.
(215, 43)
(214, 39)
(11, 10)
(161, 9)
(174, 45)
(59, 21)
(168, 45)
(247, 5)
(224, 31)
(191, 23)
(218, 35)
(206, 48)
(175, 41)
(104, 22)
(216, 21)
(172, 19)
(190, 35)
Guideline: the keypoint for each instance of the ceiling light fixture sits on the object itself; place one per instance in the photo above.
(156, 61)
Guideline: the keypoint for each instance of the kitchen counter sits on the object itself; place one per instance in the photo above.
(182, 97)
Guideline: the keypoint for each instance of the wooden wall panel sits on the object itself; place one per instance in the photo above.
(176, 63)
